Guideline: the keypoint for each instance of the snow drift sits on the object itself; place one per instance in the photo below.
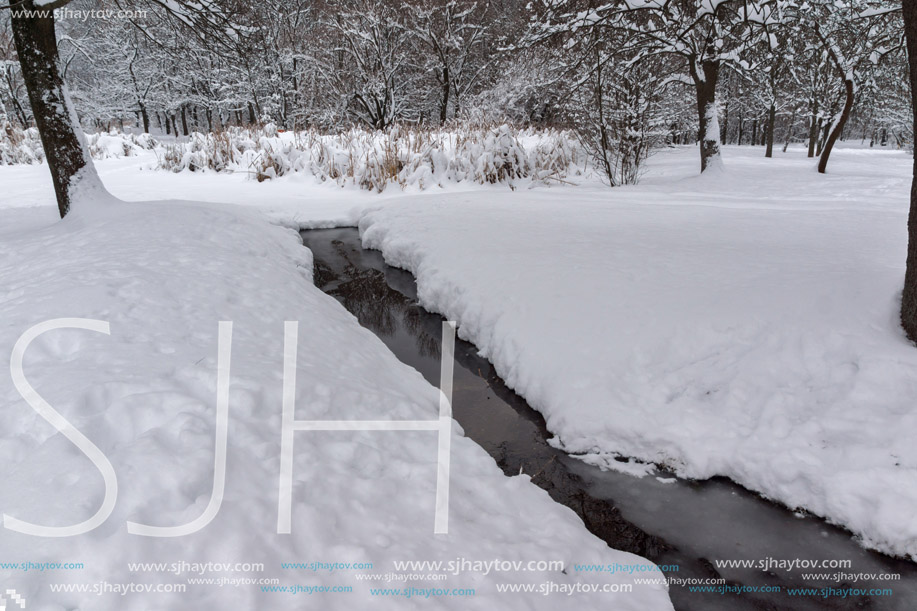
(163, 275)
(741, 324)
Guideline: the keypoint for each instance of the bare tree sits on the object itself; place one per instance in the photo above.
(371, 64)
(453, 33)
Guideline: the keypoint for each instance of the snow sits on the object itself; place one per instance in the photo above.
(375, 160)
(713, 124)
(162, 274)
(741, 324)
(24, 146)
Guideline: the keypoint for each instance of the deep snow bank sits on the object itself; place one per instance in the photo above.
(742, 325)
(163, 275)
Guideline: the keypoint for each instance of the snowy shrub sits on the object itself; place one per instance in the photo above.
(114, 145)
(18, 146)
(620, 118)
(143, 141)
(373, 160)
(214, 151)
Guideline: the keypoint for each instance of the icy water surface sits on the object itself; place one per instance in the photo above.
(683, 523)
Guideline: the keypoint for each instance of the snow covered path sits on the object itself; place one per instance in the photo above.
(742, 324)
(163, 275)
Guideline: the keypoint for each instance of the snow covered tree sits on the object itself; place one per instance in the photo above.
(854, 39)
(371, 62)
(909, 295)
(61, 135)
(453, 34)
(33, 26)
(614, 104)
(777, 64)
(703, 35)
(12, 90)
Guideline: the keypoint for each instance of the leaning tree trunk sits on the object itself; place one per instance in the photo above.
(708, 133)
(771, 117)
(822, 136)
(909, 296)
(61, 136)
(838, 127)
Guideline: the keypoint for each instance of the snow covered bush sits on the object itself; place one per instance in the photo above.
(115, 144)
(215, 151)
(373, 160)
(18, 146)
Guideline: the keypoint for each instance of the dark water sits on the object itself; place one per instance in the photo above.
(685, 523)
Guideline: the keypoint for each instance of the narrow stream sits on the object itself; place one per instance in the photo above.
(684, 523)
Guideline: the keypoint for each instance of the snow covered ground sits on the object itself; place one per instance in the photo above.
(162, 274)
(740, 324)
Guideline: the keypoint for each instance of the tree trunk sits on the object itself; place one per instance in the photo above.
(789, 130)
(754, 132)
(813, 127)
(708, 133)
(909, 295)
(61, 135)
(184, 120)
(444, 103)
(820, 138)
(771, 117)
(145, 116)
(825, 130)
(838, 127)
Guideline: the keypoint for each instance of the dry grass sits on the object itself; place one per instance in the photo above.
(374, 160)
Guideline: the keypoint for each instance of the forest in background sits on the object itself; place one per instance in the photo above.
(625, 77)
